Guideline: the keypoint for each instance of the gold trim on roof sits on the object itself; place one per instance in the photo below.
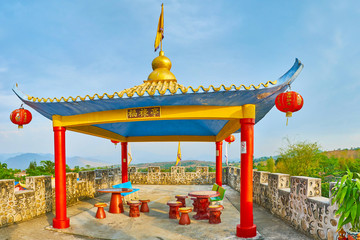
(152, 88)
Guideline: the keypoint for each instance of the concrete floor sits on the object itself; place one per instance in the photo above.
(153, 225)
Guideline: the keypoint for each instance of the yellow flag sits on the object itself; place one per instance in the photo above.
(160, 30)
(178, 159)
(129, 154)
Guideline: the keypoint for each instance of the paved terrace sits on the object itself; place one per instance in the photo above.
(153, 225)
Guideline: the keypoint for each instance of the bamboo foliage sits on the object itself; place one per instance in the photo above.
(347, 196)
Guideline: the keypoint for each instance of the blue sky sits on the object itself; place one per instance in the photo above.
(70, 48)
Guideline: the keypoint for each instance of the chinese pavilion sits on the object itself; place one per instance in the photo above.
(162, 110)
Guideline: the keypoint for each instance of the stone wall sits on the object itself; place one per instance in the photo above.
(297, 200)
(39, 197)
(177, 176)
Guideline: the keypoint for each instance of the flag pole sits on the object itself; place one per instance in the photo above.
(162, 36)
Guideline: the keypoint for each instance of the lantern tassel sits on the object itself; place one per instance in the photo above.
(20, 126)
(288, 114)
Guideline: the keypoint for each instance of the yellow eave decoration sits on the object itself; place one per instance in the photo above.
(153, 87)
(160, 81)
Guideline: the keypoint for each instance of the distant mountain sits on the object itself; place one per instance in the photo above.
(83, 161)
(5, 156)
(353, 153)
(263, 159)
(22, 160)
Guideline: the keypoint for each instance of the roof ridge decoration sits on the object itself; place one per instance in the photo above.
(151, 90)
(163, 85)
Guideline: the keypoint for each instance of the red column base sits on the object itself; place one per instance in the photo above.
(246, 232)
(60, 224)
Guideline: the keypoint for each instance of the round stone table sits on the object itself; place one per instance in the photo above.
(116, 204)
(203, 203)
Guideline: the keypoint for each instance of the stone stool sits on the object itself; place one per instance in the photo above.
(144, 206)
(134, 208)
(195, 204)
(214, 213)
(184, 219)
(174, 209)
(181, 198)
(100, 211)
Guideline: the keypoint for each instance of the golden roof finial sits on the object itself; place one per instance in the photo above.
(161, 66)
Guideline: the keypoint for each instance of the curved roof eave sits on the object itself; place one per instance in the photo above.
(263, 97)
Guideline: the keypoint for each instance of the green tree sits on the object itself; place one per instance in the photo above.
(32, 165)
(270, 165)
(261, 166)
(3, 165)
(328, 166)
(6, 173)
(299, 159)
(48, 167)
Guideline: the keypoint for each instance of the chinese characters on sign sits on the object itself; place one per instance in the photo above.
(143, 112)
(243, 147)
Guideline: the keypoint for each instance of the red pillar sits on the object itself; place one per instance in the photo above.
(60, 220)
(218, 178)
(124, 162)
(246, 228)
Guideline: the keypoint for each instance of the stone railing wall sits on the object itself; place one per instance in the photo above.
(39, 197)
(177, 176)
(296, 200)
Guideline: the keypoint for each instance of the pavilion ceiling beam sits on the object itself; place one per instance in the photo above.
(151, 114)
(98, 132)
(234, 125)
(229, 128)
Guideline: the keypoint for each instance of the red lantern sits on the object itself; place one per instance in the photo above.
(230, 139)
(115, 142)
(289, 102)
(20, 117)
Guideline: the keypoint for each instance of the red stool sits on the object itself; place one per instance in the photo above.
(100, 211)
(144, 206)
(214, 213)
(174, 209)
(184, 219)
(134, 208)
(181, 198)
(195, 204)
